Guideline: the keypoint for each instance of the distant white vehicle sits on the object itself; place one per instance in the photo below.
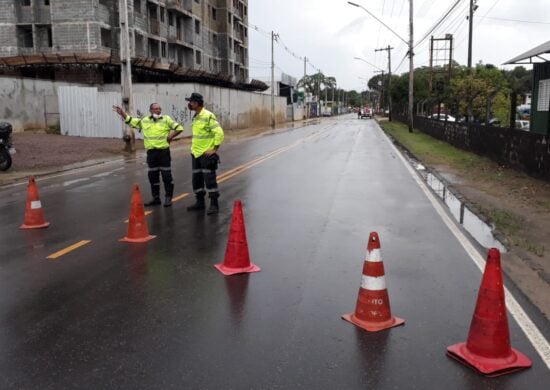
(522, 124)
(327, 111)
(442, 117)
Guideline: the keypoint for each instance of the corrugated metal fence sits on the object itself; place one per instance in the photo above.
(85, 112)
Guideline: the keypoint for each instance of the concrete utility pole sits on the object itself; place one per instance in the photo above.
(305, 91)
(319, 94)
(125, 65)
(410, 44)
(388, 49)
(273, 39)
(381, 95)
(470, 33)
(411, 67)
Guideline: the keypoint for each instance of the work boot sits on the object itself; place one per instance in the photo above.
(153, 202)
(199, 204)
(214, 208)
(168, 201)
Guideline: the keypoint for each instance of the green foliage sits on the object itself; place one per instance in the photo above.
(54, 129)
(488, 88)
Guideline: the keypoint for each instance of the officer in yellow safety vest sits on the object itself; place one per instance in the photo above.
(158, 131)
(207, 138)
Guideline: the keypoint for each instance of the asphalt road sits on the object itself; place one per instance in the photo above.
(112, 315)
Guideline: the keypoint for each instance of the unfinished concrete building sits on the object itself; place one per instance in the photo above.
(171, 40)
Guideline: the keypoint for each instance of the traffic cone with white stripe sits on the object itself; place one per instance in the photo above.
(34, 214)
(372, 311)
(488, 346)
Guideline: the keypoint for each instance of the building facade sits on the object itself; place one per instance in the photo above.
(179, 36)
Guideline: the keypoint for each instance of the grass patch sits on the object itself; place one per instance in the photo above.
(486, 176)
(433, 151)
(53, 129)
(505, 221)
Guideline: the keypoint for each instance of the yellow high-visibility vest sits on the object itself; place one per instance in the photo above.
(207, 133)
(155, 131)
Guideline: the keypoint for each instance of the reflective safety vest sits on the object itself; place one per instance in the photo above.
(207, 133)
(155, 131)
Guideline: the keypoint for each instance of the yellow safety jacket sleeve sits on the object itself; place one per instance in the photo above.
(172, 124)
(133, 122)
(215, 128)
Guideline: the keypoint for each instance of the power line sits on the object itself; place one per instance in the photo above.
(514, 20)
(439, 22)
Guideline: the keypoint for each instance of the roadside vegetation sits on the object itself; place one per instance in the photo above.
(514, 202)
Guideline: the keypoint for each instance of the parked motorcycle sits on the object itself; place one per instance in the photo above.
(6, 148)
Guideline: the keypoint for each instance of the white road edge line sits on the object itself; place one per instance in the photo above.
(529, 328)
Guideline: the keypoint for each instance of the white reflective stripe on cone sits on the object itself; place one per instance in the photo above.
(373, 283)
(35, 204)
(374, 255)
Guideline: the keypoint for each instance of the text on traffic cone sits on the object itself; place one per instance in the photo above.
(372, 311)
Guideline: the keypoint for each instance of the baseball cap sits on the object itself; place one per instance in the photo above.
(195, 97)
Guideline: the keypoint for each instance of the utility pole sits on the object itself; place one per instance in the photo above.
(381, 95)
(125, 67)
(411, 67)
(305, 92)
(388, 49)
(470, 33)
(319, 93)
(273, 39)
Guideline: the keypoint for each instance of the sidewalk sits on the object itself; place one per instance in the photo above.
(40, 154)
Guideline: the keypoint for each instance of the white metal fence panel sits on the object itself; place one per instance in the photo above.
(109, 124)
(77, 111)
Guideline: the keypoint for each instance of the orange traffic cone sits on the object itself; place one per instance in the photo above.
(237, 258)
(34, 214)
(373, 312)
(137, 226)
(488, 347)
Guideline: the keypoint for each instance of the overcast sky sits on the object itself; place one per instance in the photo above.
(331, 33)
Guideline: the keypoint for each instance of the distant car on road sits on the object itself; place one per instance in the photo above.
(442, 117)
(366, 113)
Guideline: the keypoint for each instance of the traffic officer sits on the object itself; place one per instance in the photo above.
(207, 138)
(158, 131)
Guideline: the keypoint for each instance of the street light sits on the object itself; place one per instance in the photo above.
(384, 24)
(365, 61)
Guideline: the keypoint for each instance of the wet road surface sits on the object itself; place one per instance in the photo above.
(160, 316)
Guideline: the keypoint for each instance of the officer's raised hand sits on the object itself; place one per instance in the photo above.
(120, 111)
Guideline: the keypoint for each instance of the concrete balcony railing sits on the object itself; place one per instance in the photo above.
(179, 5)
(238, 12)
(154, 27)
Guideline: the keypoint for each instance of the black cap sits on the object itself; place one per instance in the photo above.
(195, 97)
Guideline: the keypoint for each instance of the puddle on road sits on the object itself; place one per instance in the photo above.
(478, 229)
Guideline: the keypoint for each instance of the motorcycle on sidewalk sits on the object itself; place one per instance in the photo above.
(6, 148)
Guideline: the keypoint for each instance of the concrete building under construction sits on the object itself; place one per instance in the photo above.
(170, 40)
